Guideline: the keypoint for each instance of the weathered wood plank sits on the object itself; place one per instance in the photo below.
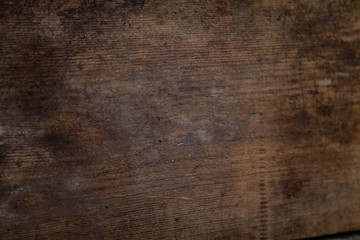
(179, 119)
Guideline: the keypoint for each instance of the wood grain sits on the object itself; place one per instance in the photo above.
(149, 119)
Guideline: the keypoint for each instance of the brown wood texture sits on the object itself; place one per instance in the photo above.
(179, 119)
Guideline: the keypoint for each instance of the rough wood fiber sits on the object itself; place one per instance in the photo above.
(208, 119)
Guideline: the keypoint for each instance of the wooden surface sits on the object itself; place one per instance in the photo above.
(179, 119)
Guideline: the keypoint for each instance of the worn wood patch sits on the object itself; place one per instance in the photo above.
(148, 119)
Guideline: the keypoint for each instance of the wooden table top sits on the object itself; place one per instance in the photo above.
(179, 119)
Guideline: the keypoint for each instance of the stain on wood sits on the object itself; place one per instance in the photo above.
(149, 119)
